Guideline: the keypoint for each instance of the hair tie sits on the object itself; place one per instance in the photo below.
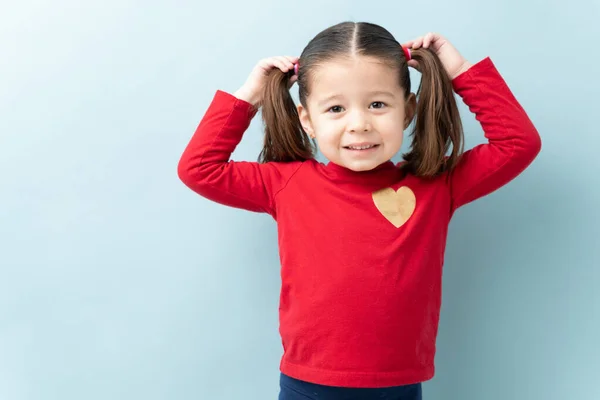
(406, 52)
(296, 69)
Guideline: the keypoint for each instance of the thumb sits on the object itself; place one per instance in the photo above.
(414, 64)
(293, 79)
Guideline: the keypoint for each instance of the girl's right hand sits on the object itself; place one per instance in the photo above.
(253, 88)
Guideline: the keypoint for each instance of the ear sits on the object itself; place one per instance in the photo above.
(305, 121)
(410, 107)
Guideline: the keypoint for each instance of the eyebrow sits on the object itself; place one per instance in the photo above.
(336, 96)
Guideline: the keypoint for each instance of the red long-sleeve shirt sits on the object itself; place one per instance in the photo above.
(361, 266)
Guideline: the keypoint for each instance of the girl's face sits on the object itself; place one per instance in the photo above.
(357, 112)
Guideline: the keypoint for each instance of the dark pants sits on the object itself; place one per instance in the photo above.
(294, 389)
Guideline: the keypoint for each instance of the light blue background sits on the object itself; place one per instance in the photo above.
(117, 282)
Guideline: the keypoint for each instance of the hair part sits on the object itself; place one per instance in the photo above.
(437, 123)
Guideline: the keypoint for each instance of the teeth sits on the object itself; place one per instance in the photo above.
(361, 147)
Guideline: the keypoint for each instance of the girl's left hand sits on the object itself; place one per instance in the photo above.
(454, 63)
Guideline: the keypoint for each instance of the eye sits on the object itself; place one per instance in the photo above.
(335, 109)
(378, 104)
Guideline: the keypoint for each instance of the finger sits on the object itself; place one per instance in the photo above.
(292, 59)
(414, 64)
(436, 38)
(281, 64)
(287, 63)
(292, 81)
(427, 40)
(281, 58)
(267, 64)
(272, 62)
(418, 42)
(408, 44)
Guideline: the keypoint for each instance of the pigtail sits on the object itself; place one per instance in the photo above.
(438, 125)
(285, 139)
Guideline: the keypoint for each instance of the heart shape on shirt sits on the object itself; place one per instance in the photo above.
(397, 206)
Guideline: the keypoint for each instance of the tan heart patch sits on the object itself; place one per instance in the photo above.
(396, 206)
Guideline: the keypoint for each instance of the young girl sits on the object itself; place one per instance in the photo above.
(361, 239)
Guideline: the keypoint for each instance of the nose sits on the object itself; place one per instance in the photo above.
(358, 122)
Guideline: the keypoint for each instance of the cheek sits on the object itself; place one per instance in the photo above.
(394, 141)
(327, 132)
(393, 131)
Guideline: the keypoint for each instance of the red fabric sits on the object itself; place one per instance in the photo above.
(360, 298)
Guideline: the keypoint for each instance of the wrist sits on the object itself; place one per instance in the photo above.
(462, 69)
(247, 95)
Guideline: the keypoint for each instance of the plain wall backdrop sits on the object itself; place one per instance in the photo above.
(118, 282)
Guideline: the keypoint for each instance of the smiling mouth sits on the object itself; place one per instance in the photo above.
(361, 148)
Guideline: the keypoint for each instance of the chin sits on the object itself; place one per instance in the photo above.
(361, 166)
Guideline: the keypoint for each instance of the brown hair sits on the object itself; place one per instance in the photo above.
(437, 126)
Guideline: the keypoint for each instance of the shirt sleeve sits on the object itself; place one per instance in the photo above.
(205, 166)
(512, 140)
